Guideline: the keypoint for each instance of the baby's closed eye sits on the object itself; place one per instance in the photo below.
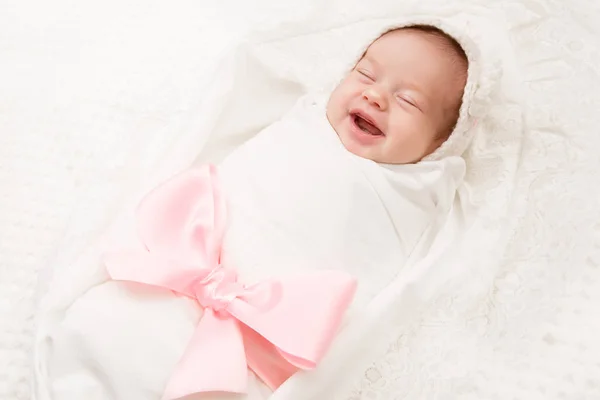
(366, 74)
(407, 100)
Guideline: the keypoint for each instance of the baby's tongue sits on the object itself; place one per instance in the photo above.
(367, 126)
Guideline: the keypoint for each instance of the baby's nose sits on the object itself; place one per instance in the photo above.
(375, 98)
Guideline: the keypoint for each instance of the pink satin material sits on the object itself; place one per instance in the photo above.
(274, 327)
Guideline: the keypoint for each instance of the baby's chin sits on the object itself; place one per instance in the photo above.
(353, 146)
(373, 152)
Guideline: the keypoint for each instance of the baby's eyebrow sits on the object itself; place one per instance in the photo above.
(408, 83)
(370, 59)
(414, 86)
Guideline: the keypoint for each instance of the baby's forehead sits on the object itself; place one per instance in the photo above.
(406, 43)
(398, 38)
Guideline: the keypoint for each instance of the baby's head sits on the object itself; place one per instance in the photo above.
(401, 101)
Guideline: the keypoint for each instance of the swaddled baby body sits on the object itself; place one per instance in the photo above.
(331, 186)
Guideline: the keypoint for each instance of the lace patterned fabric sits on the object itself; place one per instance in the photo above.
(530, 333)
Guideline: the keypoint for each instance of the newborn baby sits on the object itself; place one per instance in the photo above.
(401, 100)
(334, 185)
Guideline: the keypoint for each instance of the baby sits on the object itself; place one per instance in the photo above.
(401, 100)
(300, 200)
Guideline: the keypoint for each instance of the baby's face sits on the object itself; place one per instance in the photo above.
(400, 98)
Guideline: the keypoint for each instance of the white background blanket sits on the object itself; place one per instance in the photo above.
(91, 95)
(94, 96)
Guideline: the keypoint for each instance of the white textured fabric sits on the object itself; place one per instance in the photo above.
(297, 201)
(91, 96)
(528, 333)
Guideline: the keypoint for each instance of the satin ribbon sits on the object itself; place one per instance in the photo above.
(275, 327)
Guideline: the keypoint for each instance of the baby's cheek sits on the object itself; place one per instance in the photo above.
(401, 127)
(335, 101)
(407, 140)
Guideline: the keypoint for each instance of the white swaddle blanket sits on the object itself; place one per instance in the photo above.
(297, 200)
(499, 310)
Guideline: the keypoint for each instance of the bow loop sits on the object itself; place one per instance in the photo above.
(184, 218)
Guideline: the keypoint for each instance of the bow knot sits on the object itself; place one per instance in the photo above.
(218, 289)
(273, 327)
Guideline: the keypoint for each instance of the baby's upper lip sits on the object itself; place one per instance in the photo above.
(365, 115)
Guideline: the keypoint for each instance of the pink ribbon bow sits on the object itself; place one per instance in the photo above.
(275, 327)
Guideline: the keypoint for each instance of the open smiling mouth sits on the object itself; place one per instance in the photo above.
(366, 126)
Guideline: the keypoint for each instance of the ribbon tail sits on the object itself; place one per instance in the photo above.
(299, 324)
(214, 360)
(265, 360)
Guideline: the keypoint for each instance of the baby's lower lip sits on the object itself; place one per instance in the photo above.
(362, 136)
